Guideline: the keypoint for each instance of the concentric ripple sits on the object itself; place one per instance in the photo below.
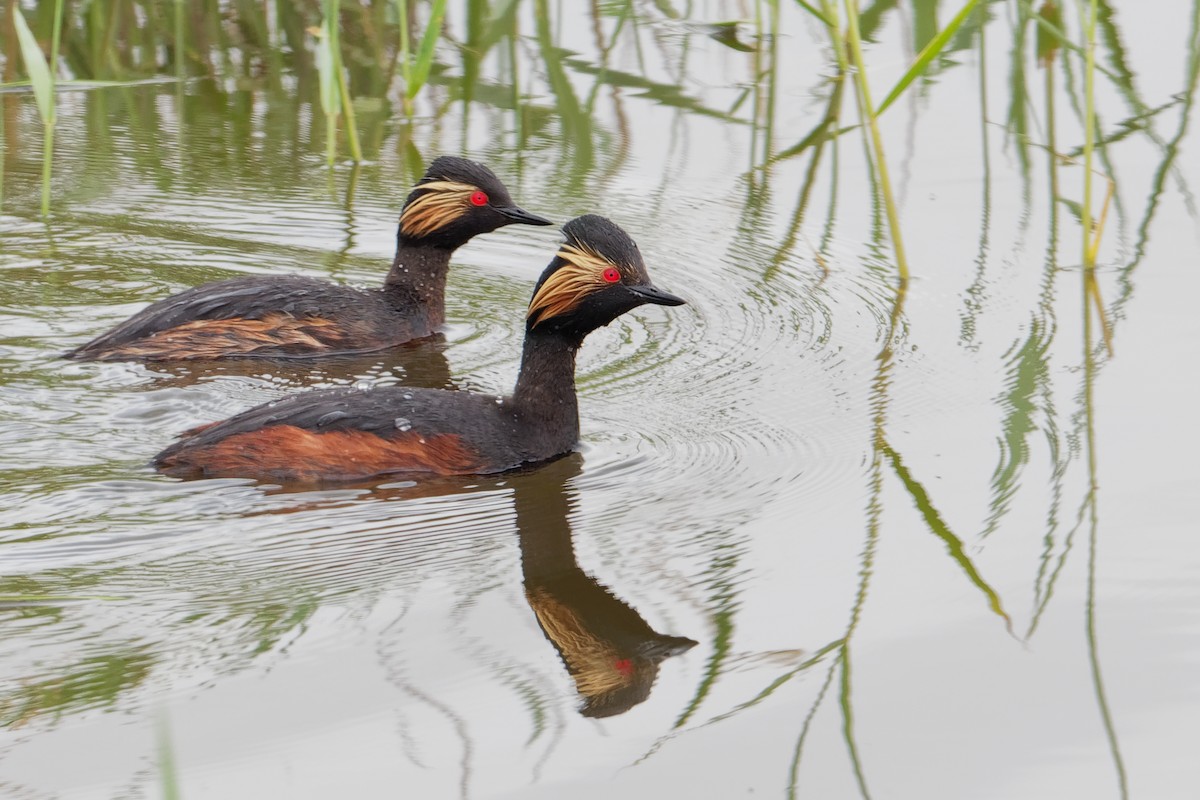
(694, 419)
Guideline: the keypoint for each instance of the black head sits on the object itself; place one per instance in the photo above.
(597, 276)
(458, 199)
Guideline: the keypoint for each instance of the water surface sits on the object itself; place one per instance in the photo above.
(931, 544)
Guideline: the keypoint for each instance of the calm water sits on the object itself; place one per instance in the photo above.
(943, 547)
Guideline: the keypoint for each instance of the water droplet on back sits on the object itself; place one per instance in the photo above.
(332, 416)
(403, 424)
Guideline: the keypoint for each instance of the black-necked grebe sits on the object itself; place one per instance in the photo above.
(299, 317)
(347, 434)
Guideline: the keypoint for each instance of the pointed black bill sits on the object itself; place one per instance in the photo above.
(655, 295)
(518, 214)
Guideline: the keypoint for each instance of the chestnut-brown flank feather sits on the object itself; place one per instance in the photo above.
(290, 453)
(440, 203)
(215, 338)
(562, 291)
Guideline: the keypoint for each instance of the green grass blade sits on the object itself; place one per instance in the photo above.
(348, 111)
(327, 84)
(326, 80)
(35, 65)
(928, 54)
(424, 63)
(333, 42)
(56, 36)
(405, 60)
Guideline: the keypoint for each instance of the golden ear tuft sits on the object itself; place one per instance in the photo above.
(566, 287)
(439, 204)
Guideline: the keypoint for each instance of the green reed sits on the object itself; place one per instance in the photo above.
(41, 78)
(924, 59)
(334, 91)
(415, 71)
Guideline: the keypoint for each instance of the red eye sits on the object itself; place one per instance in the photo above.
(611, 275)
(479, 199)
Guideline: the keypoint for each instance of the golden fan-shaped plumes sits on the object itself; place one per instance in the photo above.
(567, 286)
(439, 204)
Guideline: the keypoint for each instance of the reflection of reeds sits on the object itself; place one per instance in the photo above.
(871, 119)
(1091, 246)
(1092, 234)
(166, 759)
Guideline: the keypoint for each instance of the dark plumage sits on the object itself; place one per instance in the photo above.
(295, 317)
(347, 434)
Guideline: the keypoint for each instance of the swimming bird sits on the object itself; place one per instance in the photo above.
(351, 434)
(291, 316)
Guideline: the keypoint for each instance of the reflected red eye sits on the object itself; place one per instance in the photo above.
(611, 275)
(479, 199)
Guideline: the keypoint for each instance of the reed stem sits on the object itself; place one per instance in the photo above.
(179, 46)
(41, 79)
(343, 89)
(1089, 128)
(867, 111)
(405, 60)
(48, 128)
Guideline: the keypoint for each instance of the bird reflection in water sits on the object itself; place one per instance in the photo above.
(421, 363)
(611, 653)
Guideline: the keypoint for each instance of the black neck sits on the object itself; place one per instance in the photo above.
(545, 393)
(417, 281)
